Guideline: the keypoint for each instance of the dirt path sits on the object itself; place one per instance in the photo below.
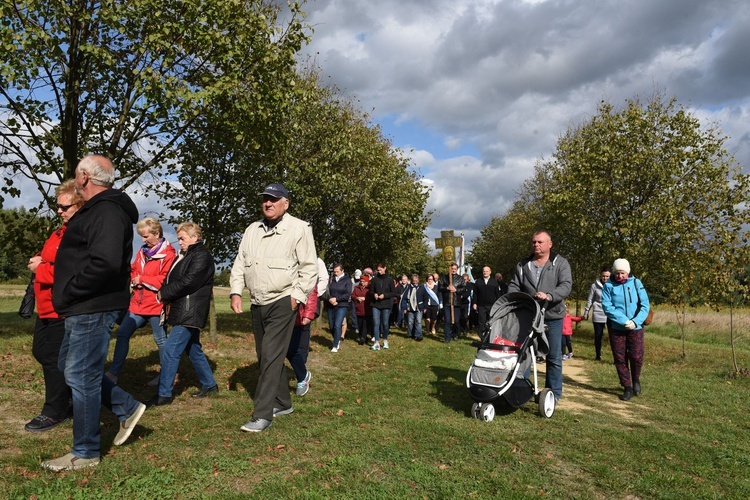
(579, 396)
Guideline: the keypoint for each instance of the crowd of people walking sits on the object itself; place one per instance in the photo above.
(86, 283)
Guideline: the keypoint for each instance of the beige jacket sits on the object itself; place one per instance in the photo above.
(276, 262)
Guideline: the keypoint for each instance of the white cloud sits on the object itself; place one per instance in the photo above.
(509, 77)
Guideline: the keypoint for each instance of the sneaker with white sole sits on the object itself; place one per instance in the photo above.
(256, 425)
(335, 349)
(70, 462)
(43, 423)
(385, 344)
(127, 425)
(304, 386)
(277, 412)
(375, 346)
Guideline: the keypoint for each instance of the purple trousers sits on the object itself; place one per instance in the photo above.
(627, 350)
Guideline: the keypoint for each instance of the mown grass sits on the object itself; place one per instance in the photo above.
(393, 424)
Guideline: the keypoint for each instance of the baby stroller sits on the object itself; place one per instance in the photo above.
(506, 354)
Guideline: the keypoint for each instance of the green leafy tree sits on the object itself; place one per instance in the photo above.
(129, 79)
(505, 240)
(360, 195)
(724, 279)
(646, 182)
(22, 235)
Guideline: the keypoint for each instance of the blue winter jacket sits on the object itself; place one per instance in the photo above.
(625, 301)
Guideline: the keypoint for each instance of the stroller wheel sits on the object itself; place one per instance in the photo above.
(475, 410)
(546, 403)
(487, 412)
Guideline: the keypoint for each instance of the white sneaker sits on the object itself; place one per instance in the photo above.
(385, 344)
(335, 349)
(127, 425)
(70, 462)
(375, 346)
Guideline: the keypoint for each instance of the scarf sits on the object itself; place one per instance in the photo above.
(150, 252)
(432, 295)
(413, 297)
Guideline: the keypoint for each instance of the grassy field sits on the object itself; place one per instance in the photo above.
(396, 424)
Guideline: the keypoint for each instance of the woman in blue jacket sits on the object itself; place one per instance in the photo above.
(626, 304)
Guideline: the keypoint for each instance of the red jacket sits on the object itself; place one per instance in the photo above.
(362, 308)
(45, 275)
(152, 272)
(568, 323)
(308, 309)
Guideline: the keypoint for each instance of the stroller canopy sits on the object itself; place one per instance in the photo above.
(514, 317)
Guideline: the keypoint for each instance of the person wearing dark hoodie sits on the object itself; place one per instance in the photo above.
(546, 276)
(383, 289)
(91, 289)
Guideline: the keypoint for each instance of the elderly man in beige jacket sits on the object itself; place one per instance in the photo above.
(277, 263)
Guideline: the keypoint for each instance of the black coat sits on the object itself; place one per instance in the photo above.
(188, 287)
(92, 267)
(486, 294)
(458, 283)
(383, 285)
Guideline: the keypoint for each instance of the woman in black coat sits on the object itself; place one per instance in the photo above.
(186, 294)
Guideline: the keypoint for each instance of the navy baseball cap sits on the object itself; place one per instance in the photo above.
(276, 190)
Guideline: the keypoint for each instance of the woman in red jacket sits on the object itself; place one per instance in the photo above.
(49, 329)
(147, 274)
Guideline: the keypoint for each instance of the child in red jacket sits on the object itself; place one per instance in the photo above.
(567, 331)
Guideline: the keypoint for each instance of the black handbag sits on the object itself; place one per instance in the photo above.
(27, 304)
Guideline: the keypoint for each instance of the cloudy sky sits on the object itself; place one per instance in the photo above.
(478, 90)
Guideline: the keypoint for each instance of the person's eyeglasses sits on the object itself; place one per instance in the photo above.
(64, 208)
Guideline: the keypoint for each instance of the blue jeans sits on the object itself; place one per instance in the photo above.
(83, 354)
(554, 377)
(129, 325)
(299, 348)
(336, 316)
(182, 339)
(414, 324)
(380, 324)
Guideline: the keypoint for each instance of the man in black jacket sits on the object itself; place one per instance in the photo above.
(452, 286)
(91, 288)
(487, 292)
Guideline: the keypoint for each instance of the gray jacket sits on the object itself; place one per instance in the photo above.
(594, 303)
(555, 279)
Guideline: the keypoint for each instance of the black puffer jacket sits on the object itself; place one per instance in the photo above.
(188, 288)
